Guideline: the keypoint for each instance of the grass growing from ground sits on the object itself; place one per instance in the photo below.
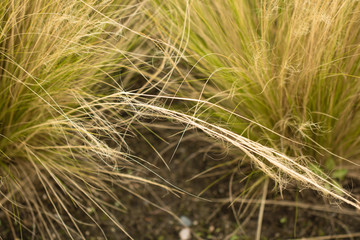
(276, 81)
(284, 74)
(61, 135)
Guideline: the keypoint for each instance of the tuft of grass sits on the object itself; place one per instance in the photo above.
(61, 135)
(277, 80)
(281, 75)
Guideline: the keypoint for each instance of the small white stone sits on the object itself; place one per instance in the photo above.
(186, 221)
(185, 234)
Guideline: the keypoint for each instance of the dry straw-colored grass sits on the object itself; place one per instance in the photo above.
(61, 143)
(278, 79)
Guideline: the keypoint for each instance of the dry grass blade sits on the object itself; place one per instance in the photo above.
(274, 163)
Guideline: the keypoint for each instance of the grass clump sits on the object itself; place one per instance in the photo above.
(283, 74)
(62, 136)
(278, 80)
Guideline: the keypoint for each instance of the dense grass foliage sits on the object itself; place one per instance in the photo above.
(282, 73)
(277, 80)
(61, 130)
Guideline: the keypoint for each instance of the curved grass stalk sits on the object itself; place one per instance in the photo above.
(272, 162)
